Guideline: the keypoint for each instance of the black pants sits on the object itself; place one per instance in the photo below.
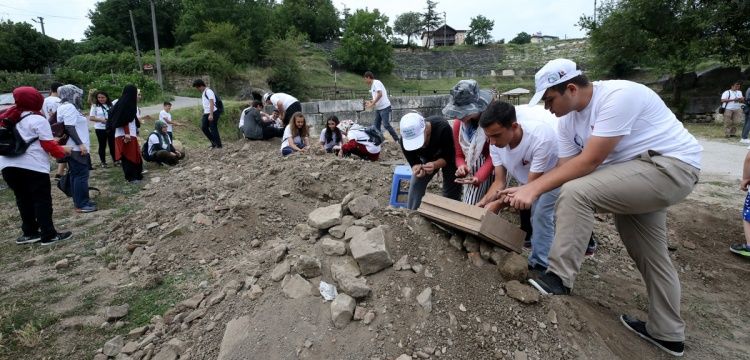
(34, 200)
(105, 140)
(295, 107)
(131, 170)
(272, 132)
(211, 129)
(525, 216)
(166, 157)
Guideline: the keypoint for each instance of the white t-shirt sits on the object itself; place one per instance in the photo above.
(100, 112)
(362, 138)
(35, 158)
(286, 100)
(50, 106)
(70, 116)
(383, 102)
(328, 145)
(207, 95)
(537, 151)
(732, 94)
(167, 118)
(153, 139)
(287, 135)
(635, 112)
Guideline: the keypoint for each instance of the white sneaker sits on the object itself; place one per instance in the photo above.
(745, 141)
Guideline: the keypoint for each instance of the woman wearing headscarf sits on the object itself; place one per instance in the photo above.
(76, 126)
(123, 118)
(160, 148)
(28, 174)
(473, 164)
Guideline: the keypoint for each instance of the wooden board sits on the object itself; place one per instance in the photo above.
(473, 220)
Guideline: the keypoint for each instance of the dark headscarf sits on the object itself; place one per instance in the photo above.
(26, 98)
(124, 111)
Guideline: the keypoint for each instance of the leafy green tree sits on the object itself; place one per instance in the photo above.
(316, 18)
(479, 31)
(364, 45)
(223, 38)
(110, 18)
(283, 54)
(430, 19)
(408, 24)
(24, 48)
(521, 38)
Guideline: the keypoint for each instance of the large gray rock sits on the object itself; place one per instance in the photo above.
(344, 267)
(425, 299)
(306, 231)
(236, 336)
(325, 217)
(307, 266)
(342, 310)
(296, 287)
(523, 293)
(280, 271)
(370, 251)
(113, 346)
(113, 313)
(355, 287)
(515, 267)
(353, 231)
(362, 205)
(333, 247)
(166, 353)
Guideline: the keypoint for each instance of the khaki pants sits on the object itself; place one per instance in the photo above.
(732, 118)
(638, 193)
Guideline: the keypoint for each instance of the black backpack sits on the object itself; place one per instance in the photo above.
(376, 137)
(11, 142)
(219, 104)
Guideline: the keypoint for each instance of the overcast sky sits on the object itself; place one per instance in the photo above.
(66, 19)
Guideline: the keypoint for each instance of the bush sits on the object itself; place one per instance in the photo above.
(12, 80)
(286, 74)
(113, 84)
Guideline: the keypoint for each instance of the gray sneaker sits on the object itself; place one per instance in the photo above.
(26, 239)
(57, 238)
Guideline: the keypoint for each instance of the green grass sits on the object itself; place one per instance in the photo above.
(24, 315)
(145, 303)
(706, 130)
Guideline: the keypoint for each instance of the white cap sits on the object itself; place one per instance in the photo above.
(266, 96)
(412, 131)
(554, 72)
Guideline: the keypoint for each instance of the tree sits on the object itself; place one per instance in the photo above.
(286, 75)
(316, 18)
(408, 24)
(430, 20)
(364, 45)
(521, 38)
(24, 48)
(223, 38)
(479, 31)
(111, 18)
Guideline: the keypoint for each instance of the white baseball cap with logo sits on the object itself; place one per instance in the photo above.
(412, 131)
(554, 72)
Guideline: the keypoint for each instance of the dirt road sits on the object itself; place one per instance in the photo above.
(722, 159)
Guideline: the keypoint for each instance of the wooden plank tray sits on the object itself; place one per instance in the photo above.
(473, 220)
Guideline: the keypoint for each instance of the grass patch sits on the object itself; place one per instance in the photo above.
(706, 130)
(145, 303)
(24, 315)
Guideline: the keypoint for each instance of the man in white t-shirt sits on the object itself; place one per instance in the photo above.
(52, 101)
(622, 151)
(166, 116)
(211, 114)
(731, 101)
(524, 145)
(381, 105)
(286, 105)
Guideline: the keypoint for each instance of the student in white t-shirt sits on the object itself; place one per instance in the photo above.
(287, 105)
(622, 151)
(731, 101)
(296, 136)
(524, 145)
(77, 128)
(165, 115)
(359, 143)
(52, 101)
(331, 137)
(381, 104)
(211, 114)
(98, 115)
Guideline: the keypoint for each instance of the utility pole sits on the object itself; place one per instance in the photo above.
(594, 12)
(156, 47)
(445, 28)
(135, 38)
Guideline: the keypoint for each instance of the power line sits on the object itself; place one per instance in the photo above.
(38, 13)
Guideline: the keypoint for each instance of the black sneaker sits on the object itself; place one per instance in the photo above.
(59, 237)
(549, 284)
(26, 239)
(591, 247)
(527, 244)
(676, 348)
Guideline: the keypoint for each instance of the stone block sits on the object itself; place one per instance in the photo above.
(342, 310)
(362, 205)
(335, 106)
(344, 267)
(325, 217)
(354, 287)
(309, 107)
(370, 250)
(296, 287)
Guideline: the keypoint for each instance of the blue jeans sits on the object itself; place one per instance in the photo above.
(746, 128)
(418, 186)
(78, 167)
(211, 130)
(383, 117)
(543, 223)
(288, 149)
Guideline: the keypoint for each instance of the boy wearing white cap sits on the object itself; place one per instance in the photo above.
(622, 151)
(428, 147)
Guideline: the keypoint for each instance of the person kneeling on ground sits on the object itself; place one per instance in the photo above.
(743, 249)
(160, 148)
(428, 147)
(255, 126)
(296, 138)
(331, 138)
(361, 144)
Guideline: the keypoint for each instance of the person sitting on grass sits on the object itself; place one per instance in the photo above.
(360, 144)
(160, 148)
(296, 135)
(331, 138)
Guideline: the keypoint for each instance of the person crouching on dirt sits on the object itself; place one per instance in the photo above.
(331, 137)
(474, 167)
(427, 145)
(359, 143)
(743, 249)
(28, 174)
(160, 148)
(622, 151)
(255, 125)
(296, 137)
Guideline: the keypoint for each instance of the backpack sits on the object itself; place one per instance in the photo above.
(144, 151)
(11, 142)
(375, 136)
(219, 104)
